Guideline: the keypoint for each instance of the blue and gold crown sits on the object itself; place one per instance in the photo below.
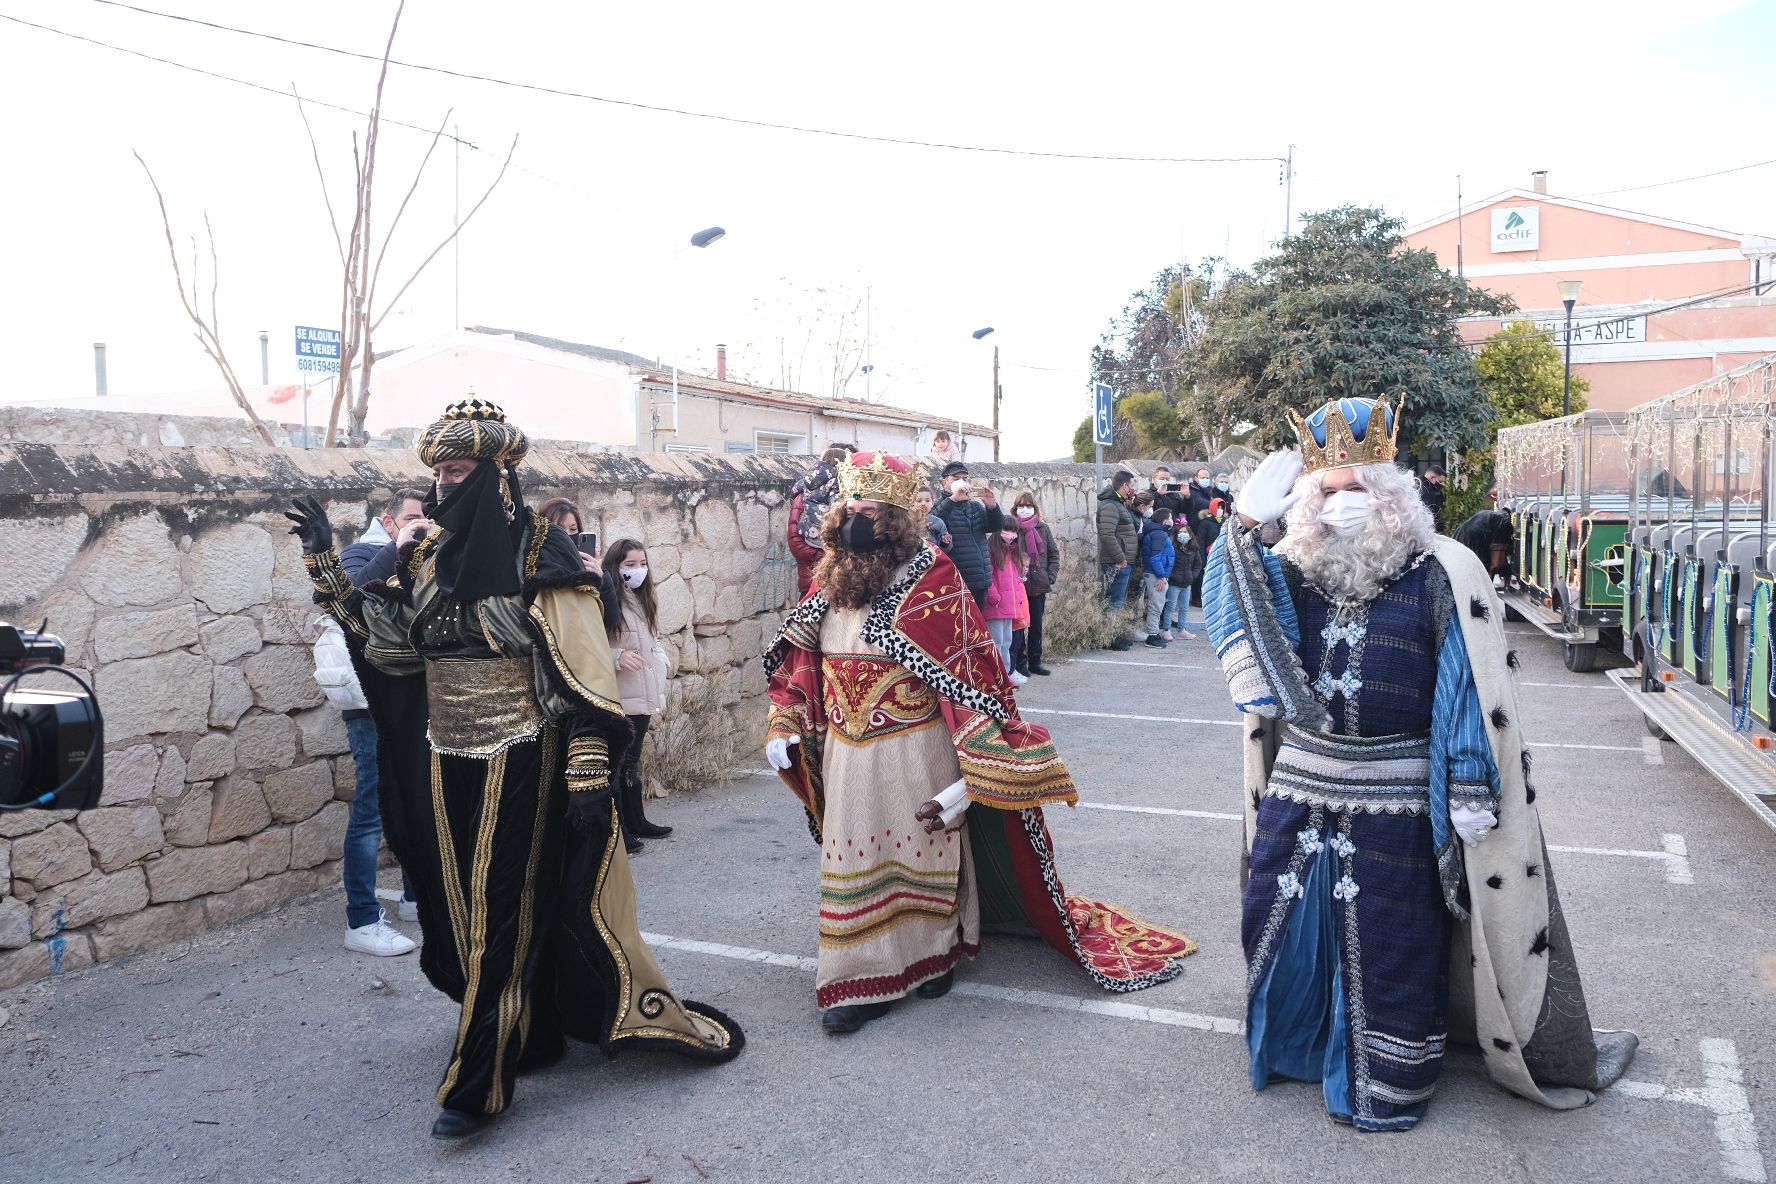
(1346, 432)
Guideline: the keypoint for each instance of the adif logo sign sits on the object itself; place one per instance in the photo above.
(1517, 228)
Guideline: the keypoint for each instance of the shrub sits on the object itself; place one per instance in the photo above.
(1077, 619)
(694, 746)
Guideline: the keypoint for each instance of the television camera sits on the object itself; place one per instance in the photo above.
(52, 739)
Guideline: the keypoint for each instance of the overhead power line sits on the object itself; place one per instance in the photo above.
(1756, 164)
(559, 92)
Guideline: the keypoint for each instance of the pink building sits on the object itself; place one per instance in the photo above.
(1627, 339)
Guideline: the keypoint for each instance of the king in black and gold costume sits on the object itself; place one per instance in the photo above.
(486, 666)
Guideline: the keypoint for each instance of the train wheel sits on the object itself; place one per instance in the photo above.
(1581, 659)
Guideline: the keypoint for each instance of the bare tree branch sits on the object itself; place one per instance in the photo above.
(389, 236)
(448, 239)
(315, 150)
(206, 333)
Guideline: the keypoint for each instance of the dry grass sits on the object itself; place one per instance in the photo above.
(1077, 620)
(697, 745)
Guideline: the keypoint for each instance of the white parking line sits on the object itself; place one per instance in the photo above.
(1132, 662)
(1571, 686)
(1151, 719)
(1587, 747)
(1723, 1095)
(1674, 854)
(1650, 746)
(1161, 810)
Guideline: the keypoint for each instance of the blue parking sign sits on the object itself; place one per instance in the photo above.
(1103, 403)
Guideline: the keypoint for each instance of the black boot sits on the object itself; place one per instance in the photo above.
(938, 987)
(631, 844)
(837, 1021)
(456, 1124)
(634, 817)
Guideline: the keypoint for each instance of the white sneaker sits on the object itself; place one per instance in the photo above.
(1017, 680)
(379, 938)
(408, 909)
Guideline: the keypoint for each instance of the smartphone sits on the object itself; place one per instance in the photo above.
(1174, 487)
(587, 543)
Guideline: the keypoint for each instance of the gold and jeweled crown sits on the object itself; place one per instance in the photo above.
(879, 477)
(1348, 432)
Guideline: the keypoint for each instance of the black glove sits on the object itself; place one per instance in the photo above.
(587, 808)
(311, 526)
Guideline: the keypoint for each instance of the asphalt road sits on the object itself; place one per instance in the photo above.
(265, 1052)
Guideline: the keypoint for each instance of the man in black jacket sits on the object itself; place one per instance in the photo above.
(1165, 496)
(970, 523)
(372, 557)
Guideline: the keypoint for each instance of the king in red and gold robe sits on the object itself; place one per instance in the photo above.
(889, 705)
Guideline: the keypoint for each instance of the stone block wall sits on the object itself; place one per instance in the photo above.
(172, 577)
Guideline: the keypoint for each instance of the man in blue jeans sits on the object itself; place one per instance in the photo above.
(367, 931)
(1119, 545)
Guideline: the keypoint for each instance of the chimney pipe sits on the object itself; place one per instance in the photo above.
(1538, 180)
(99, 366)
(264, 358)
(721, 363)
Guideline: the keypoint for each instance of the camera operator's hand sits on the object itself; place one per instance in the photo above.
(311, 526)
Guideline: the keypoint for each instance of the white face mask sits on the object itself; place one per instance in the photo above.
(1026, 511)
(1346, 512)
(635, 577)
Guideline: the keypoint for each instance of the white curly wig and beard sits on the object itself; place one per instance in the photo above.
(1356, 569)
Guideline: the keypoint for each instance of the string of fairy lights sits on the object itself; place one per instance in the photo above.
(1731, 411)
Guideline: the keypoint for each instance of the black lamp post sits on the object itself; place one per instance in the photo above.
(1569, 296)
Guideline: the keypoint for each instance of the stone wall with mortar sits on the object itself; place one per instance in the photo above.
(171, 575)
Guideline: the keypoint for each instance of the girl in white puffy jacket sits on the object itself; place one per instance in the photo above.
(367, 931)
(641, 678)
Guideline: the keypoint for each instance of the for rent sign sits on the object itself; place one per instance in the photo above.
(1516, 228)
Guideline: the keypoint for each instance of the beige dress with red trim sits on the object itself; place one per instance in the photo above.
(897, 905)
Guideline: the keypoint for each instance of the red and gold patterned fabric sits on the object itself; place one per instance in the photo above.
(931, 630)
(873, 697)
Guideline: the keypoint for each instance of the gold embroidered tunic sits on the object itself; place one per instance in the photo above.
(897, 905)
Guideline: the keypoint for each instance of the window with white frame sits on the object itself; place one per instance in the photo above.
(779, 443)
(687, 448)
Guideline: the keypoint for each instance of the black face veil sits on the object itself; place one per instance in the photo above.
(479, 556)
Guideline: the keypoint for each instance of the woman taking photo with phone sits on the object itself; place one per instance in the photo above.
(641, 678)
(566, 515)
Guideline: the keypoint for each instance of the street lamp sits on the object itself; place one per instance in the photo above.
(701, 239)
(978, 334)
(1569, 296)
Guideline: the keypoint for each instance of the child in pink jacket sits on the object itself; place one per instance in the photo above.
(1007, 602)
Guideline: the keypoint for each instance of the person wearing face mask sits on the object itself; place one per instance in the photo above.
(1158, 557)
(915, 769)
(1042, 567)
(1007, 602)
(1393, 844)
(969, 522)
(486, 666)
(1207, 513)
(641, 679)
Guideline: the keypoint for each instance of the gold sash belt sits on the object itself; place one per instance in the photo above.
(481, 706)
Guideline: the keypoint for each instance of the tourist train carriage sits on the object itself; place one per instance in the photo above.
(1566, 484)
(1701, 594)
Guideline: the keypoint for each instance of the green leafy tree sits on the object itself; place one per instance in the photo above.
(1158, 428)
(1143, 350)
(1342, 308)
(1084, 446)
(1522, 373)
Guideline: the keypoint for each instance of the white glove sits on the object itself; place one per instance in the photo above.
(777, 750)
(1471, 824)
(1270, 491)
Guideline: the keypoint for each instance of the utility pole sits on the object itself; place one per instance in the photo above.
(1459, 239)
(1288, 190)
(456, 242)
(995, 404)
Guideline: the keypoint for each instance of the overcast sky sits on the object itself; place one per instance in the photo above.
(1385, 101)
